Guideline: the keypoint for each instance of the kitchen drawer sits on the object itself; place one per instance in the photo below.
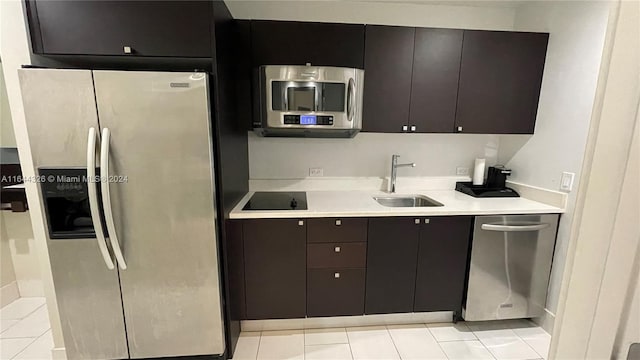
(330, 230)
(335, 292)
(337, 255)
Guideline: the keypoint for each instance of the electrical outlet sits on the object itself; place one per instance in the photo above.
(462, 171)
(314, 172)
(566, 181)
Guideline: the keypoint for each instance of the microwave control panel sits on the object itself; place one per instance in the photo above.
(308, 120)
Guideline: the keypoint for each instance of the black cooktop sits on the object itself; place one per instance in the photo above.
(277, 200)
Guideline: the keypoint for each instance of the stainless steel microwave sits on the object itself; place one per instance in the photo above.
(308, 101)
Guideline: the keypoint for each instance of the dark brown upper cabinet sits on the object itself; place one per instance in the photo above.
(298, 43)
(143, 28)
(388, 59)
(275, 268)
(391, 265)
(500, 79)
(442, 263)
(434, 83)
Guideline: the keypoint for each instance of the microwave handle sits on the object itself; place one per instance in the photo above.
(351, 99)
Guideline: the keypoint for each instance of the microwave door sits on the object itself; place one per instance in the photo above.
(301, 97)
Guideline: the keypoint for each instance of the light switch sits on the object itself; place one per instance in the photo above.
(566, 181)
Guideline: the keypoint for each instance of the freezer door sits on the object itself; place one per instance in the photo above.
(162, 201)
(510, 266)
(60, 108)
(88, 301)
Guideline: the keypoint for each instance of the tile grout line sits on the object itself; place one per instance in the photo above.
(437, 342)
(517, 336)
(393, 342)
(12, 325)
(349, 342)
(526, 342)
(25, 348)
(31, 343)
(29, 313)
(259, 342)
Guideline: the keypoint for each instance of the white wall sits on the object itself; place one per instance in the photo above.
(14, 50)
(6, 126)
(8, 286)
(577, 32)
(370, 154)
(367, 155)
(24, 253)
(428, 14)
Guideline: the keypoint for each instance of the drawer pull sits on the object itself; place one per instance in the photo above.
(417, 221)
(338, 222)
(426, 221)
(300, 223)
(336, 275)
(336, 249)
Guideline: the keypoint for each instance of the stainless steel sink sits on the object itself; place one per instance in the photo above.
(406, 201)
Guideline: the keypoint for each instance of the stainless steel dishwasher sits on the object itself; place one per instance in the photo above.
(510, 264)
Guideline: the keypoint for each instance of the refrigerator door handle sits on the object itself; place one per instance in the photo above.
(92, 188)
(106, 199)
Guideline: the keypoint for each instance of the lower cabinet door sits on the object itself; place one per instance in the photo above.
(392, 250)
(335, 292)
(442, 263)
(275, 268)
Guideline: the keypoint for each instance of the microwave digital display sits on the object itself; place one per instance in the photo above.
(308, 120)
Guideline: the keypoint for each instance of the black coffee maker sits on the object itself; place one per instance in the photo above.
(494, 186)
(497, 177)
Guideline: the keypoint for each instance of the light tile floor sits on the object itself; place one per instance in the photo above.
(25, 332)
(498, 340)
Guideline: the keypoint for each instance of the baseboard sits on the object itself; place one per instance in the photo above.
(59, 354)
(546, 321)
(346, 321)
(9, 293)
(31, 288)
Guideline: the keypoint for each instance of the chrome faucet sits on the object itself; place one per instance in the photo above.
(394, 170)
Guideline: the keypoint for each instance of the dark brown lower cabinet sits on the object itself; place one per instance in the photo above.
(335, 292)
(442, 263)
(275, 268)
(392, 249)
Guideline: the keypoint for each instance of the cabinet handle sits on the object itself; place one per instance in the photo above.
(300, 223)
(426, 221)
(459, 128)
(413, 128)
(338, 222)
(337, 249)
(405, 128)
(336, 275)
(417, 221)
(127, 49)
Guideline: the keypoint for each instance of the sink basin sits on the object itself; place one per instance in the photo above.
(406, 201)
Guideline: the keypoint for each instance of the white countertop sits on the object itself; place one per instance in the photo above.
(354, 203)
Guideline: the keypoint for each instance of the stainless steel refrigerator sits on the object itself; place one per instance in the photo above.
(136, 276)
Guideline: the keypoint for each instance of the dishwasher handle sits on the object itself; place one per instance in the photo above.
(513, 228)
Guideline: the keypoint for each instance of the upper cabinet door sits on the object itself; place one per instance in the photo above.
(298, 43)
(434, 85)
(500, 79)
(387, 86)
(148, 28)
